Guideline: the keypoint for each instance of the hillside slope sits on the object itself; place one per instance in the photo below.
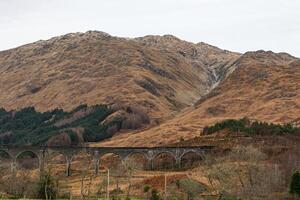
(265, 86)
(161, 74)
(56, 127)
(180, 85)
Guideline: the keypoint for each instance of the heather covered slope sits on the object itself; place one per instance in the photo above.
(265, 86)
(96, 68)
(180, 86)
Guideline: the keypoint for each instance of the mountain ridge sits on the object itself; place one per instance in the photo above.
(57, 53)
(257, 89)
(182, 86)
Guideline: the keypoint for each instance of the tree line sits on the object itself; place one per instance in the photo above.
(30, 127)
(249, 127)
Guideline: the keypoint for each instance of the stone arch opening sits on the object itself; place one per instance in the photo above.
(82, 164)
(56, 162)
(137, 160)
(4, 154)
(5, 160)
(164, 161)
(112, 161)
(27, 160)
(117, 170)
(190, 159)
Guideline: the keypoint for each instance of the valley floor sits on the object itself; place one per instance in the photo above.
(257, 167)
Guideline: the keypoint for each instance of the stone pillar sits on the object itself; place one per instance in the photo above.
(124, 160)
(13, 165)
(177, 157)
(68, 166)
(96, 162)
(150, 157)
(41, 158)
(177, 162)
(150, 164)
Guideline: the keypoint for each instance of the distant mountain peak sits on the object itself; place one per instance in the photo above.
(270, 57)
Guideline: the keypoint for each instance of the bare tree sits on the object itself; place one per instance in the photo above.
(244, 173)
(86, 180)
(129, 166)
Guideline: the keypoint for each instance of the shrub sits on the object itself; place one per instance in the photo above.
(295, 184)
(17, 185)
(146, 188)
(59, 140)
(135, 118)
(74, 138)
(47, 187)
(181, 139)
(190, 187)
(228, 198)
(154, 195)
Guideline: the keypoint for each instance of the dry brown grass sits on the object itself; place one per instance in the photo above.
(262, 88)
(95, 68)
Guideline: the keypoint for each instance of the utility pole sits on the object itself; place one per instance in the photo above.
(107, 195)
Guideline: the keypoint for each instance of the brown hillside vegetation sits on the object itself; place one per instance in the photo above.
(181, 86)
(265, 86)
(162, 74)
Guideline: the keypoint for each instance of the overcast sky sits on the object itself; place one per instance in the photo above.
(237, 25)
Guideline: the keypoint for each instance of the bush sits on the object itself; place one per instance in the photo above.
(18, 185)
(74, 138)
(228, 198)
(190, 187)
(154, 195)
(146, 188)
(295, 184)
(47, 187)
(135, 118)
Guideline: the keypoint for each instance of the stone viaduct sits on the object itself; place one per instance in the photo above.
(149, 153)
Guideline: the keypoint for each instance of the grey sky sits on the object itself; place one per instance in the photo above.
(237, 25)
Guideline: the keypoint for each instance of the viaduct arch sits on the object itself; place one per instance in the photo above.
(149, 153)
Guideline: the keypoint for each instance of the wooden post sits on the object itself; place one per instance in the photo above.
(107, 196)
(165, 196)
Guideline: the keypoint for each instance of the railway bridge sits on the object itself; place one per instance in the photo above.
(68, 152)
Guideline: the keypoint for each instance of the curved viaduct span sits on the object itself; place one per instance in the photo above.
(149, 153)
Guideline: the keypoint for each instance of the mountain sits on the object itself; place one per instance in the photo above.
(160, 89)
(264, 86)
(159, 74)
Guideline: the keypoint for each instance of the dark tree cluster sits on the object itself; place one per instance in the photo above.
(248, 127)
(30, 127)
